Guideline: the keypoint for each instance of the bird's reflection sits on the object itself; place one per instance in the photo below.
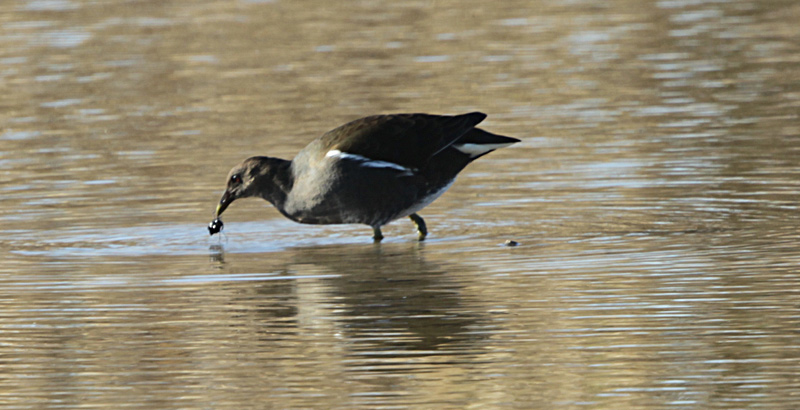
(396, 297)
(382, 299)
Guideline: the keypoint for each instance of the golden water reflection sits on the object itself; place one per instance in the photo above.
(654, 197)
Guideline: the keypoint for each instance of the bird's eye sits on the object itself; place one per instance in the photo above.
(236, 179)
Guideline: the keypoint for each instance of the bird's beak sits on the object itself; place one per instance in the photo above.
(226, 200)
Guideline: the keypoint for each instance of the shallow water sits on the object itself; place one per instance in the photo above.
(654, 198)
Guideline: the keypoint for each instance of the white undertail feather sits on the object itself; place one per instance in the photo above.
(475, 150)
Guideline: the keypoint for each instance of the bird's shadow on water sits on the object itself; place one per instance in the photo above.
(387, 297)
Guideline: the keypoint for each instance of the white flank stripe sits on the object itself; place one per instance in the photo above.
(366, 162)
(473, 150)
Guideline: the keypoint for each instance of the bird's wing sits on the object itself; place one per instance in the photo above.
(409, 140)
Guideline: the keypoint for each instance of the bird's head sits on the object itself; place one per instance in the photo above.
(255, 176)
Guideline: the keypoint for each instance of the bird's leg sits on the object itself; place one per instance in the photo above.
(376, 233)
(420, 224)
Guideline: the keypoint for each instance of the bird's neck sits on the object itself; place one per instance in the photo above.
(278, 182)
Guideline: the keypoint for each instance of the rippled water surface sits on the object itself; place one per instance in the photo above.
(654, 197)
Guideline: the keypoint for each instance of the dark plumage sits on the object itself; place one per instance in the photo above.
(369, 171)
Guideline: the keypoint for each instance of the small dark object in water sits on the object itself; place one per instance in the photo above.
(215, 226)
(508, 242)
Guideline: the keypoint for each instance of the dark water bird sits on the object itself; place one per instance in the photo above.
(369, 171)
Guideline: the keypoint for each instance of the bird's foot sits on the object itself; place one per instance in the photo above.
(377, 236)
(422, 230)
